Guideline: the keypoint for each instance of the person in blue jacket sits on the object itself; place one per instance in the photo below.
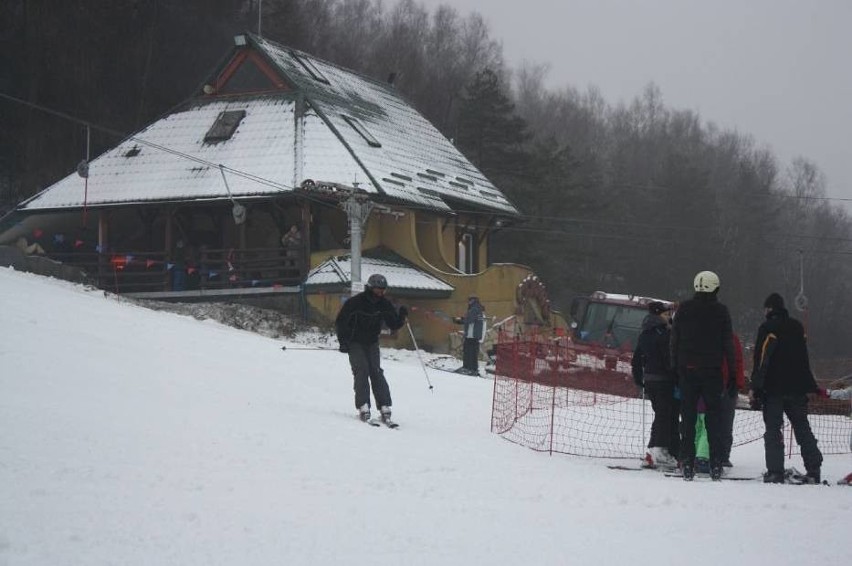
(474, 330)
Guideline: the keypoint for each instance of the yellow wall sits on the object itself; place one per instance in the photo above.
(496, 286)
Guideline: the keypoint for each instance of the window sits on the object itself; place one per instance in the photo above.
(224, 126)
(466, 252)
(363, 131)
(310, 68)
(613, 326)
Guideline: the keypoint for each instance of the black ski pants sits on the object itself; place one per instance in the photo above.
(665, 431)
(796, 409)
(365, 360)
(696, 383)
(729, 412)
(470, 354)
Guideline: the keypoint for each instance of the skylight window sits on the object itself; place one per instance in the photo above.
(311, 68)
(363, 131)
(224, 126)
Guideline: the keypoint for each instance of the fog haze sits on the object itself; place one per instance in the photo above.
(776, 69)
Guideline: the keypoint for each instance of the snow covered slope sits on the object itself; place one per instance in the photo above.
(135, 437)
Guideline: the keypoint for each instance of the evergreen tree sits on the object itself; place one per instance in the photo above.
(490, 134)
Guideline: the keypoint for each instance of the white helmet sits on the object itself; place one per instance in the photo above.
(706, 282)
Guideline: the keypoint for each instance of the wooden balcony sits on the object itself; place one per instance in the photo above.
(220, 270)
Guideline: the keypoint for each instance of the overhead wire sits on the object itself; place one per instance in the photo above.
(528, 217)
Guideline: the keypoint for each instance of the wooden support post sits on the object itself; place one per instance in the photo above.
(167, 252)
(305, 261)
(103, 245)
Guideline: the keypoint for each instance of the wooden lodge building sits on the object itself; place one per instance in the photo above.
(195, 206)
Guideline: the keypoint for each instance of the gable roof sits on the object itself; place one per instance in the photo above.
(335, 274)
(351, 130)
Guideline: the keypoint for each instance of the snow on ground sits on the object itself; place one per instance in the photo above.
(135, 437)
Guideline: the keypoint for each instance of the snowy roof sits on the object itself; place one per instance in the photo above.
(356, 131)
(337, 272)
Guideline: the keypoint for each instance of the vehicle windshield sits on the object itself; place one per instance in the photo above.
(615, 326)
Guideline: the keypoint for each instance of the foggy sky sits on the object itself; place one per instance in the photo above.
(780, 70)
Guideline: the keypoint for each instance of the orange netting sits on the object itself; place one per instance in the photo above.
(564, 397)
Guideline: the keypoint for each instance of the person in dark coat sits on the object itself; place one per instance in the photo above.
(702, 338)
(358, 325)
(780, 383)
(652, 372)
(474, 330)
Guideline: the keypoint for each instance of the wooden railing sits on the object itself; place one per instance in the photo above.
(139, 272)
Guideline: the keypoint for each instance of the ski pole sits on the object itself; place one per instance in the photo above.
(416, 349)
(307, 348)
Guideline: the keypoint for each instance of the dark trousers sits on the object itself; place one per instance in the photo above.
(665, 431)
(729, 411)
(470, 353)
(696, 383)
(796, 409)
(367, 371)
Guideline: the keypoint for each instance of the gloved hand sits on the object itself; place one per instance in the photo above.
(344, 347)
(403, 312)
(458, 319)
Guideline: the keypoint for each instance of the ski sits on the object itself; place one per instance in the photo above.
(723, 478)
(371, 422)
(641, 468)
(389, 423)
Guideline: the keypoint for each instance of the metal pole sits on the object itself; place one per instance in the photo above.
(355, 249)
(416, 349)
(358, 210)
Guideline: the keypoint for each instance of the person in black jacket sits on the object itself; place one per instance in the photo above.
(780, 383)
(652, 372)
(358, 325)
(702, 337)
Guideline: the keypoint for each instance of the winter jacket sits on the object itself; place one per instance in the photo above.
(701, 334)
(739, 372)
(651, 356)
(360, 319)
(781, 363)
(473, 320)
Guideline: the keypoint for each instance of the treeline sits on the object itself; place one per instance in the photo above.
(630, 198)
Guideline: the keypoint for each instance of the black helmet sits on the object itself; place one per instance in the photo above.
(377, 281)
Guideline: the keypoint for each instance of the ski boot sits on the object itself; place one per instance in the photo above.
(715, 472)
(773, 477)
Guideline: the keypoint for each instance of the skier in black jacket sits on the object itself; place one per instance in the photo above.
(358, 326)
(780, 382)
(701, 338)
(652, 372)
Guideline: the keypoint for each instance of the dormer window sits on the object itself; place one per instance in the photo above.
(311, 68)
(224, 126)
(362, 131)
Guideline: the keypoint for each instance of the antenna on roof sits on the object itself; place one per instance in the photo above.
(259, 16)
